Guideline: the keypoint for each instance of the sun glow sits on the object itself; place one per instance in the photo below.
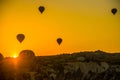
(15, 56)
(15, 53)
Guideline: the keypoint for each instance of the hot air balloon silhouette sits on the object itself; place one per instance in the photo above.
(59, 40)
(41, 9)
(114, 10)
(20, 37)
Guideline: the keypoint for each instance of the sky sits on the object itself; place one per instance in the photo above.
(83, 25)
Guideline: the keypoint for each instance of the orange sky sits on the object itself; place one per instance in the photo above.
(84, 25)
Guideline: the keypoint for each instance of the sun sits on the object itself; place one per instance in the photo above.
(15, 56)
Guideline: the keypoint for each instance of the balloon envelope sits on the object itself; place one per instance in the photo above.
(59, 41)
(114, 10)
(20, 37)
(41, 9)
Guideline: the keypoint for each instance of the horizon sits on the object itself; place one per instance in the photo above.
(99, 51)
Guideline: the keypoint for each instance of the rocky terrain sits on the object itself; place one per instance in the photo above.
(97, 65)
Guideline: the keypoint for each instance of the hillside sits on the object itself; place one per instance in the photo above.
(97, 65)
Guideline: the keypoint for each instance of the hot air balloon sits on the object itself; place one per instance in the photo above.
(41, 9)
(20, 37)
(59, 40)
(114, 10)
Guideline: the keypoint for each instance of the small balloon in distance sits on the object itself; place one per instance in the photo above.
(41, 9)
(114, 11)
(20, 37)
(59, 40)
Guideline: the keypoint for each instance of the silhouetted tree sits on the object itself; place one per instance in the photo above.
(26, 54)
(26, 61)
(1, 57)
(1, 69)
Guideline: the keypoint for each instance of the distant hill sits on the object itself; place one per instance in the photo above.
(87, 55)
(94, 65)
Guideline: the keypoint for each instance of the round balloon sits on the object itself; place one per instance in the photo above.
(114, 11)
(41, 9)
(59, 40)
(20, 37)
